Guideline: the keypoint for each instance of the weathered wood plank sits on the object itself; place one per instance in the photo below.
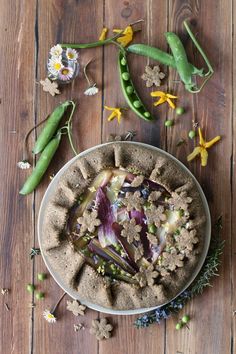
(75, 22)
(211, 312)
(127, 339)
(16, 219)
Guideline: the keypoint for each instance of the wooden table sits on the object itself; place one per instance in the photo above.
(28, 29)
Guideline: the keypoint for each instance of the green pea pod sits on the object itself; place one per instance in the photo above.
(41, 166)
(50, 127)
(181, 60)
(129, 91)
(160, 56)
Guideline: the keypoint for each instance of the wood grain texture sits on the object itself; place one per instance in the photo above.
(28, 29)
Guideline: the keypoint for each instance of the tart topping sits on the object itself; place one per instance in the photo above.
(138, 253)
(88, 221)
(152, 239)
(172, 260)
(131, 230)
(101, 329)
(138, 180)
(154, 196)
(133, 201)
(75, 307)
(186, 240)
(146, 276)
(155, 215)
(180, 201)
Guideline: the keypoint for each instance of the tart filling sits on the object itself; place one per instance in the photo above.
(129, 228)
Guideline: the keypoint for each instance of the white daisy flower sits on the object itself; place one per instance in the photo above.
(49, 316)
(65, 73)
(56, 51)
(23, 165)
(55, 65)
(91, 91)
(71, 54)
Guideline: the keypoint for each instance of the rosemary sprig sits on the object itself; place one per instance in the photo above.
(208, 271)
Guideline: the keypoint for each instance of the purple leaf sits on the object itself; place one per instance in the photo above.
(140, 219)
(106, 234)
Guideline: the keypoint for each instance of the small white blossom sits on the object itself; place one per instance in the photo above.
(55, 65)
(56, 51)
(71, 54)
(49, 316)
(91, 91)
(23, 165)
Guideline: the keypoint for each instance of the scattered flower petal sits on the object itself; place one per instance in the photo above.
(126, 36)
(56, 51)
(50, 86)
(71, 54)
(91, 91)
(116, 113)
(49, 316)
(103, 34)
(202, 148)
(23, 165)
(65, 73)
(164, 97)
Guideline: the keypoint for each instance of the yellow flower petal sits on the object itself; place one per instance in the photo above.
(172, 105)
(204, 156)
(111, 116)
(103, 34)
(158, 94)
(201, 141)
(109, 108)
(171, 96)
(212, 141)
(126, 36)
(195, 152)
(160, 101)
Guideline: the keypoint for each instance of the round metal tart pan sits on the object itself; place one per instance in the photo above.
(73, 293)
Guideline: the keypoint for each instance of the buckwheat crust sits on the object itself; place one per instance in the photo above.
(70, 265)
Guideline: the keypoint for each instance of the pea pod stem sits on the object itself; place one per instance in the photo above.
(93, 44)
(193, 38)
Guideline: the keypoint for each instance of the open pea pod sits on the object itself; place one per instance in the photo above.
(129, 92)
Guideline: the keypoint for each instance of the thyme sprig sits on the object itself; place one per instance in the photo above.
(208, 271)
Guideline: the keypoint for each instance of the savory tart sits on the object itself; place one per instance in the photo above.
(125, 227)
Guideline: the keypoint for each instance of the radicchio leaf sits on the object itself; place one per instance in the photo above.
(140, 219)
(106, 234)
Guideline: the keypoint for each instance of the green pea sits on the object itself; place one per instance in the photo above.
(30, 288)
(169, 123)
(185, 319)
(50, 127)
(125, 76)
(129, 90)
(178, 326)
(40, 295)
(146, 114)
(42, 276)
(179, 111)
(192, 134)
(137, 104)
(152, 228)
(123, 61)
(41, 166)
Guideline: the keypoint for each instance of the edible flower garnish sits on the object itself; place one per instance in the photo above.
(103, 34)
(23, 165)
(56, 51)
(65, 74)
(164, 97)
(55, 65)
(71, 54)
(116, 113)
(49, 316)
(202, 148)
(126, 36)
(92, 86)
